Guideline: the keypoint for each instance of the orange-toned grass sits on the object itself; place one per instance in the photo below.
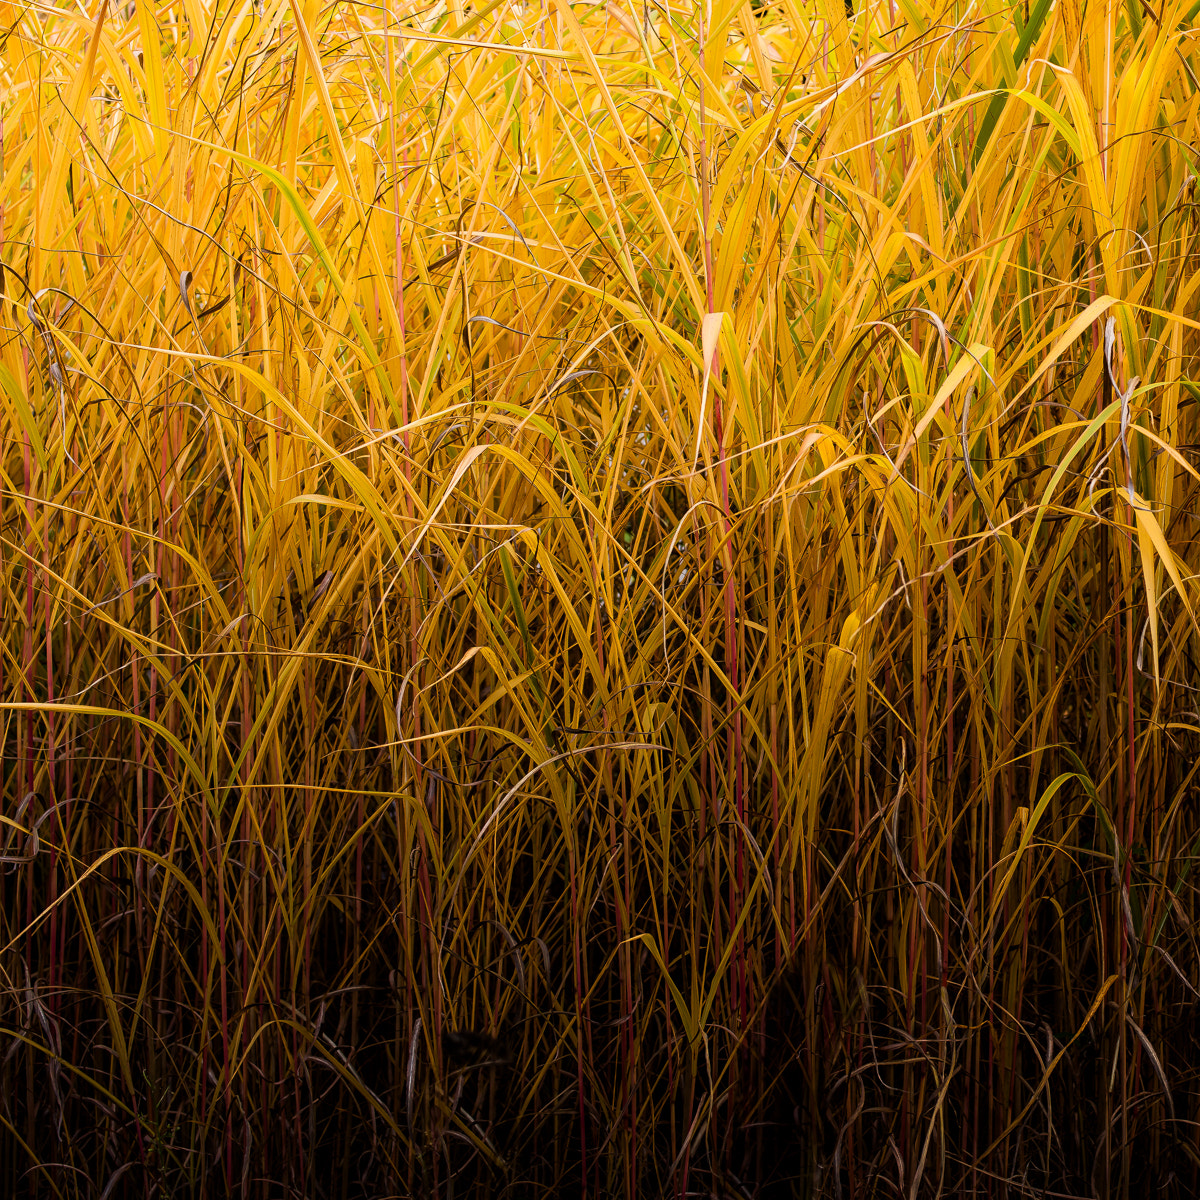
(598, 600)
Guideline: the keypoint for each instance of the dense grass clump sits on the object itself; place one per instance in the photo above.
(599, 600)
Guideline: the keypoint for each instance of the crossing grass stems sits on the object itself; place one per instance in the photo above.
(592, 610)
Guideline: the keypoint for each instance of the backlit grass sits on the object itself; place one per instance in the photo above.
(599, 600)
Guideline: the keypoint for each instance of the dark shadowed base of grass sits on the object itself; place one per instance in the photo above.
(816, 1092)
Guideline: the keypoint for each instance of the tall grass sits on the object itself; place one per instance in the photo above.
(599, 600)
